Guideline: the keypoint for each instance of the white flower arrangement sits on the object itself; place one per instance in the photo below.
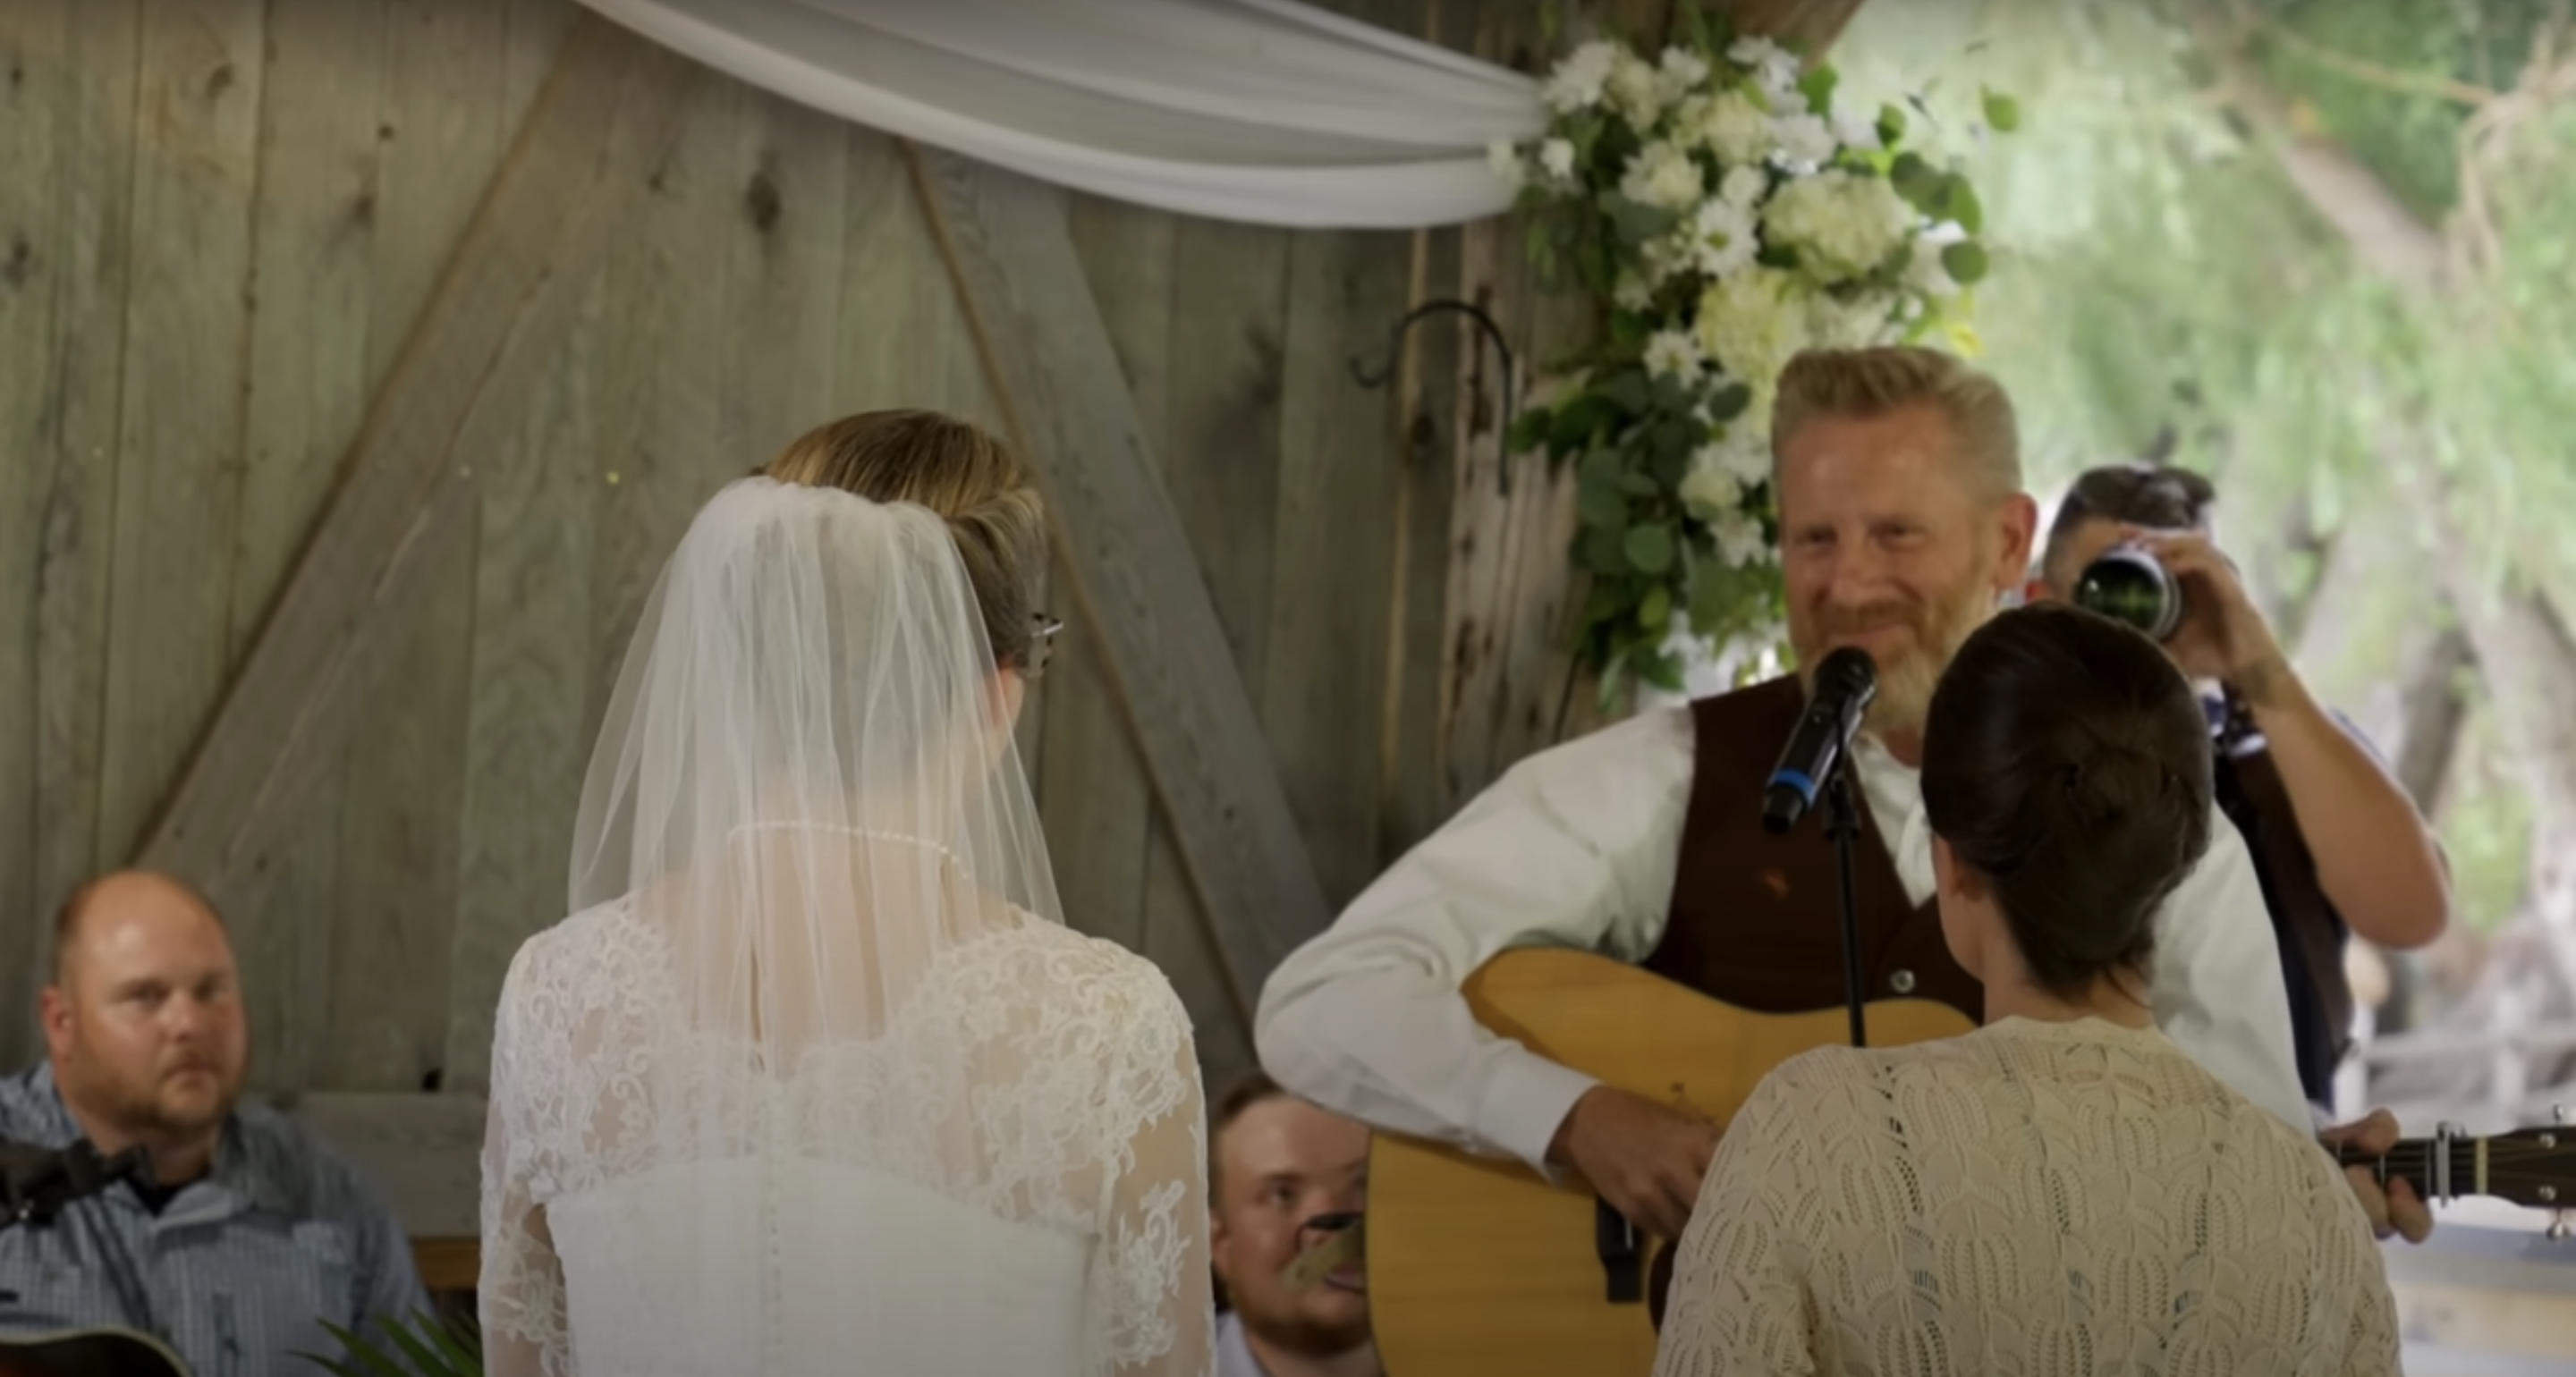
(1728, 217)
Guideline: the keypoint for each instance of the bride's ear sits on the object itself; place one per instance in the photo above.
(1007, 694)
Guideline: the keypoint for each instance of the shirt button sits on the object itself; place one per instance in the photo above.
(1902, 982)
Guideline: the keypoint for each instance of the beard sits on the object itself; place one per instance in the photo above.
(162, 1103)
(1299, 1330)
(1906, 675)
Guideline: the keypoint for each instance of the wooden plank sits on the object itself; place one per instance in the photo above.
(574, 174)
(77, 442)
(179, 463)
(1221, 469)
(1041, 335)
(1413, 800)
(791, 184)
(526, 737)
(662, 356)
(421, 1151)
(1093, 792)
(64, 159)
(900, 316)
(314, 234)
(1340, 469)
(445, 130)
(34, 106)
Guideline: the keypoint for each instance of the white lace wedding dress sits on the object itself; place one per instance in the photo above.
(996, 1184)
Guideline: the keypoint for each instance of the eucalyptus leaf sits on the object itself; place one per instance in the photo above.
(1818, 87)
(1626, 390)
(1959, 202)
(1965, 261)
(1891, 125)
(1650, 548)
(1530, 430)
(2003, 113)
(1656, 611)
(1605, 550)
(1602, 505)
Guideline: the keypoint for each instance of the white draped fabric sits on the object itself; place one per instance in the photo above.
(1267, 111)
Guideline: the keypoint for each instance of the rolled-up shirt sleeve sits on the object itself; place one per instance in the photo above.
(1573, 847)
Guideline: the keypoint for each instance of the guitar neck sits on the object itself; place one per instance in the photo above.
(2535, 1167)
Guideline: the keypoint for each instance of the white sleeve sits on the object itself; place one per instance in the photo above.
(1574, 847)
(2218, 988)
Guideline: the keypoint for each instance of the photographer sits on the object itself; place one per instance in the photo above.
(2337, 844)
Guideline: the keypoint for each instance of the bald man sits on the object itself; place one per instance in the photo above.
(249, 1236)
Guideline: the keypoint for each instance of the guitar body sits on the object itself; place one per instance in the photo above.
(88, 1353)
(1477, 1267)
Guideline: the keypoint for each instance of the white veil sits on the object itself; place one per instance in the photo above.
(807, 771)
(837, 1089)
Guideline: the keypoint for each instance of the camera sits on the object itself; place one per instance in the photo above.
(2129, 585)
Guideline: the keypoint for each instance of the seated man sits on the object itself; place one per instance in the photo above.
(249, 1236)
(1276, 1165)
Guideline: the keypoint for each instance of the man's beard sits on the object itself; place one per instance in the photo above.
(145, 1111)
(1311, 1336)
(1907, 678)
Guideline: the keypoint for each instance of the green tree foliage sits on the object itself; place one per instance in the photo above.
(2161, 281)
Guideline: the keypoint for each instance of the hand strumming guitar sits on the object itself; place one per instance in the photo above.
(1646, 1159)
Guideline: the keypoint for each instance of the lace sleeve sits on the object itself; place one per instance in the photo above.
(1161, 1318)
(520, 1291)
(1739, 1302)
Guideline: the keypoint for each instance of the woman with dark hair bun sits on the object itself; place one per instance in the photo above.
(2064, 1189)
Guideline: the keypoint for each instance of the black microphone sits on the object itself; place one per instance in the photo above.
(1844, 685)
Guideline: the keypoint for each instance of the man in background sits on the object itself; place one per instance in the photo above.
(244, 1237)
(1276, 1165)
(2337, 845)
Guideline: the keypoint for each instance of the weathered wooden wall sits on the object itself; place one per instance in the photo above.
(221, 222)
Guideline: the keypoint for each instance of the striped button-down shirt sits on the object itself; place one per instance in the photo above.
(238, 1271)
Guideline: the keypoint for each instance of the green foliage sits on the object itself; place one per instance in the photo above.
(1627, 193)
(2155, 272)
(423, 1346)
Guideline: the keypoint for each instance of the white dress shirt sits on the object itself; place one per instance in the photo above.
(1577, 846)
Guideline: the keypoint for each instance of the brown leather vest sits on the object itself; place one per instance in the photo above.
(1754, 917)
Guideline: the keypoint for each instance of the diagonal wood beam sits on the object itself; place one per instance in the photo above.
(1066, 402)
(608, 117)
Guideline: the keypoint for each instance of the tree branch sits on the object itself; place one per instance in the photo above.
(2383, 233)
(2386, 78)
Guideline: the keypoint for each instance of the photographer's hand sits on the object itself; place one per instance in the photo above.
(2223, 636)
(2375, 858)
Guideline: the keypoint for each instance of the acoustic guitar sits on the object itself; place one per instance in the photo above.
(1479, 1268)
(1477, 1265)
(105, 1352)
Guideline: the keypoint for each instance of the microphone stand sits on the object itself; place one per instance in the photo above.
(1842, 825)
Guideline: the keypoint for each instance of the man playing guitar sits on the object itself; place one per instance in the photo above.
(1903, 522)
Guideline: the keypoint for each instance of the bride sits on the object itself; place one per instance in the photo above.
(815, 1079)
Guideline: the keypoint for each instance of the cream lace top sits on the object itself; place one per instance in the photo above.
(2033, 1199)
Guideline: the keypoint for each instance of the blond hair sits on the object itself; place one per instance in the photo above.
(1861, 384)
(967, 477)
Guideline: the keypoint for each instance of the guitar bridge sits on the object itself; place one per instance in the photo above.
(1623, 1255)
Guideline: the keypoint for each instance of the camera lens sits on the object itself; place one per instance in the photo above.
(2127, 584)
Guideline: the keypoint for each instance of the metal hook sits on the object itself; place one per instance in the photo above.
(1376, 378)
